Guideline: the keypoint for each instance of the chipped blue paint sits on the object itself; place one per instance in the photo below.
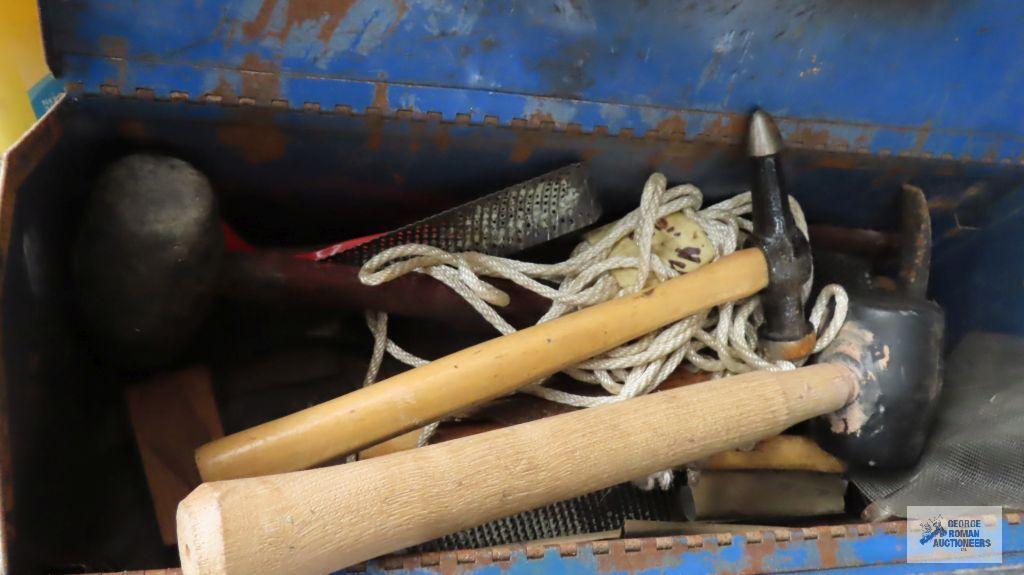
(559, 111)
(163, 78)
(877, 553)
(932, 77)
(789, 558)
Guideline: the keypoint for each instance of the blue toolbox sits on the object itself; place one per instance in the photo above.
(317, 121)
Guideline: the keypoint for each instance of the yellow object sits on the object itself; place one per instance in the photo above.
(22, 66)
(678, 241)
(783, 452)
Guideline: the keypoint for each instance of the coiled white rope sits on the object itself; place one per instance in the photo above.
(722, 341)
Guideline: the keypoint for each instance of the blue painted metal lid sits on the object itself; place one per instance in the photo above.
(921, 78)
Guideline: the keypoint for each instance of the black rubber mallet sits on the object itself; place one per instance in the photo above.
(150, 258)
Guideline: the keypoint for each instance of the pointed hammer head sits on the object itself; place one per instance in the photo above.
(786, 333)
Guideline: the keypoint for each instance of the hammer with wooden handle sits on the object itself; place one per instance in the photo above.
(324, 432)
(317, 521)
(884, 365)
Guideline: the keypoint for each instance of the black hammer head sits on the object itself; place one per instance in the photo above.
(894, 342)
(786, 333)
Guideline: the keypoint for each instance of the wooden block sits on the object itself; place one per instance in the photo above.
(782, 452)
(739, 495)
(172, 415)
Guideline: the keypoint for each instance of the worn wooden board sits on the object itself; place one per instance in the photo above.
(172, 415)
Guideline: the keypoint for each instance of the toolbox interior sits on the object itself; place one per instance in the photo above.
(75, 498)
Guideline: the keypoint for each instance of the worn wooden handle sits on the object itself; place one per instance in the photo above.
(317, 521)
(480, 373)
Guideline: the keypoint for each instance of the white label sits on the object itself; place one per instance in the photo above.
(954, 534)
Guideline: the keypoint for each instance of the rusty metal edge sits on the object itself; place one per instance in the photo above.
(652, 547)
(19, 161)
(649, 546)
(794, 127)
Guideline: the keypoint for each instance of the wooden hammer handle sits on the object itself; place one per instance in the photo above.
(475, 375)
(317, 521)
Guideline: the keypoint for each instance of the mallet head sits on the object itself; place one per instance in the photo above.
(894, 343)
(146, 258)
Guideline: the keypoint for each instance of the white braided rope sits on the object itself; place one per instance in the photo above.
(722, 341)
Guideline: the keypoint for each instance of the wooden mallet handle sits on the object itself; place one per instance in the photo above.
(344, 425)
(317, 521)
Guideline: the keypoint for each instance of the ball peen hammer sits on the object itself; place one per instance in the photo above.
(320, 434)
(786, 333)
